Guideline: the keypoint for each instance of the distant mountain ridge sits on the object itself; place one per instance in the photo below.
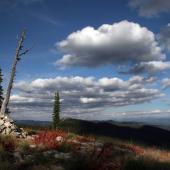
(160, 124)
(32, 122)
(136, 132)
(146, 134)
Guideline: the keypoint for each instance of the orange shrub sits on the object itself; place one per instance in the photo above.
(47, 139)
(85, 139)
(136, 149)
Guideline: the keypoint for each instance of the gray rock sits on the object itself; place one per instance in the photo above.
(1, 121)
(8, 127)
(57, 168)
(29, 157)
(59, 139)
(50, 153)
(2, 127)
(61, 155)
(33, 146)
(18, 157)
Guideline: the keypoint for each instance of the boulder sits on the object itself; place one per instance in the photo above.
(59, 139)
(61, 155)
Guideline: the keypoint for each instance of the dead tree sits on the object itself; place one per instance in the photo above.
(18, 54)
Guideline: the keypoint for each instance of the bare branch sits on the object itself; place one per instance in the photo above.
(25, 52)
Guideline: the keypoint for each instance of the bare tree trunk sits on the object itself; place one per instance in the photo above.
(17, 57)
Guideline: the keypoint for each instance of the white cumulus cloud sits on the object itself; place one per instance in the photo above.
(120, 43)
(151, 67)
(166, 83)
(81, 95)
(164, 37)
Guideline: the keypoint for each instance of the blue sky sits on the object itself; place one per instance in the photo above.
(135, 40)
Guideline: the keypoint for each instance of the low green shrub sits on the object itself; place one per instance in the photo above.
(23, 147)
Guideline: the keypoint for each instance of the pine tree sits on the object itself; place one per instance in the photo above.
(1, 89)
(56, 110)
(1, 92)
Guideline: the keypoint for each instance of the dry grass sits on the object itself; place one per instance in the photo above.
(121, 155)
(157, 154)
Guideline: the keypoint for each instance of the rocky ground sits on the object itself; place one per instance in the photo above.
(8, 127)
(59, 150)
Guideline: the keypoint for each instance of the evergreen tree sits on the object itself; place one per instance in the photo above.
(56, 110)
(1, 93)
(1, 89)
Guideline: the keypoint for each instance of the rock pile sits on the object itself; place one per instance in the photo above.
(8, 127)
